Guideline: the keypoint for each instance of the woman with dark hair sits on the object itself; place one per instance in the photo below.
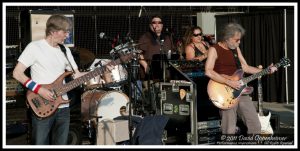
(195, 47)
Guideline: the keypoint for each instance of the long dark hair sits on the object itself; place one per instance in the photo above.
(188, 35)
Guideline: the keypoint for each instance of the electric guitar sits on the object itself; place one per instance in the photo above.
(44, 108)
(225, 97)
(264, 120)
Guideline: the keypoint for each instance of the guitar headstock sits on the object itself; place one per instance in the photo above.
(285, 62)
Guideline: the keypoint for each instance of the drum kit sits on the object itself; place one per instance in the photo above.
(103, 98)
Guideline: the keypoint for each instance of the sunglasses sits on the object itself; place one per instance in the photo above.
(156, 22)
(195, 35)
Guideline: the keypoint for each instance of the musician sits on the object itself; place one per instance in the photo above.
(155, 41)
(221, 60)
(195, 48)
(47, 62)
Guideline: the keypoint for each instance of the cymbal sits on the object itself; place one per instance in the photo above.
(86, 56)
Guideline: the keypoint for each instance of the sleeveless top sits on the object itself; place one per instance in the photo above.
(197, 51)
(225, 63)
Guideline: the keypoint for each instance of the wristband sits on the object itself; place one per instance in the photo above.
(33, 86)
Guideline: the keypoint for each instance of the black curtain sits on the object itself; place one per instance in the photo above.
(262, 44)
(290, 52)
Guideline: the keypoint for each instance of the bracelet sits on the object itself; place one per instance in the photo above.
(33, 86)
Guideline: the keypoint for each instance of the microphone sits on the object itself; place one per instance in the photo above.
(140, 13)
(162, 42)
(103, 36)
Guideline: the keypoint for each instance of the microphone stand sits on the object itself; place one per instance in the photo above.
(130, 127)
(130, 99)
(162, 57)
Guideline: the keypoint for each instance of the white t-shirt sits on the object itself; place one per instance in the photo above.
(46, 62)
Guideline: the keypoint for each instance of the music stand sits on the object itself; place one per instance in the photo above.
(157, 65)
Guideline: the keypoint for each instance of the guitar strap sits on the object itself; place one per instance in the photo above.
(63, 49)
(72, 95)
(237, 61)
(248, 90)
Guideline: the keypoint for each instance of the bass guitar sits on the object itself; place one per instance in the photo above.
(225, 97)
(44, 108)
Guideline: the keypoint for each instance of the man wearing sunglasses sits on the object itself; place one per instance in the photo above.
(153, 43)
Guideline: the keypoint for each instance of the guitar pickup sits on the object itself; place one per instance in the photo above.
(46, 102)
(36, 103)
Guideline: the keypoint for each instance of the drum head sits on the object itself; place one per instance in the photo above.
(104, 104)
(110, 104)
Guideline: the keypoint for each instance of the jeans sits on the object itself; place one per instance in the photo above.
(54, 128)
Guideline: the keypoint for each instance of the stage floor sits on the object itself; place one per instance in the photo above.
(284, 111)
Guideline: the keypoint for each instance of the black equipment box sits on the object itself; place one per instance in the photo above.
(209, 132)
(275, 123)
(177, 101)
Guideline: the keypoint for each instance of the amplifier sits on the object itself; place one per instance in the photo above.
(109, 132)
(13, 87)
(275, 123)
(209, 132)
(16, 115)
(12, 55)
(17, 101)
(177, 102)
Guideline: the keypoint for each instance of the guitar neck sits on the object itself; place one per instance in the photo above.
(260, 97)
(259, 74)
(78, 81)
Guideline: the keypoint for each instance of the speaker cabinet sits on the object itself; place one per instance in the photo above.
(275, 123)
(109, 132)
(33, 25)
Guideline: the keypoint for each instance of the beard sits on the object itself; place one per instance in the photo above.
(231, 46)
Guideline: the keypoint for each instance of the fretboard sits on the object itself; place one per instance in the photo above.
(260, 97)
(259, 74)
(78, 81)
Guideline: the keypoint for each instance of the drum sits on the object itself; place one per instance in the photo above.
(113, 78)
(108, 104)
(94, 83)
(117, 76)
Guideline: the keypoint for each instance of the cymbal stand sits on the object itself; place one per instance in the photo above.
(133, 91)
